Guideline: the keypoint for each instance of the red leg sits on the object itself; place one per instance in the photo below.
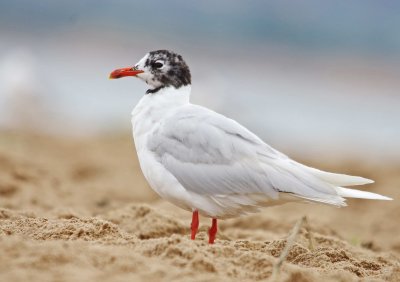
(212, 232)
(195, 224)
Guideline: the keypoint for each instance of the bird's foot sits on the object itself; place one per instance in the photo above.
(212, 232)
(195, 224)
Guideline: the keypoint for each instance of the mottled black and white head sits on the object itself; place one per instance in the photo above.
(159, 69)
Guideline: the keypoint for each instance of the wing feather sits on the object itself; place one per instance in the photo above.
(210, 154)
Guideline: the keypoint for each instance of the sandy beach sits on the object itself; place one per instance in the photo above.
(80, 210)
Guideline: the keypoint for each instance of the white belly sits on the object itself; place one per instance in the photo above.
(168, 187)
(162, 181)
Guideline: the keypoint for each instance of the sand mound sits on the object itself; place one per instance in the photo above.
(65, 227)
(145, 222)
(69, 216)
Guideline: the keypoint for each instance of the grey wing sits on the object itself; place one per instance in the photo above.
(210, 154)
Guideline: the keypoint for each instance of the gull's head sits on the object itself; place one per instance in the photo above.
(159, 69)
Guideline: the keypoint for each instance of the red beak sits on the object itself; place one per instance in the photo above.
(124, 72)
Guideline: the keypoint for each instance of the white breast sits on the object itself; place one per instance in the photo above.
(147, 116)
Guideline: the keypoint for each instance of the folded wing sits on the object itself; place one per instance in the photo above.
(210, 154)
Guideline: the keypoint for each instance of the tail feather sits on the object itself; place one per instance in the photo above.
(338, 179)
(353, 193)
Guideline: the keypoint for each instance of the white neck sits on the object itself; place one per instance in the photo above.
(153, 107)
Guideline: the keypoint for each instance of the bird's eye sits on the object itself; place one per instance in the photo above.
(157, 65)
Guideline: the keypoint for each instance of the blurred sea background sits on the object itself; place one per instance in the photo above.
(306, 76)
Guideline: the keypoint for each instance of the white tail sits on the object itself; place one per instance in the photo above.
(352, 193)
(338, 179)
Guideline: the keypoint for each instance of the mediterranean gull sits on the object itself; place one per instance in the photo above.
(207, 163)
